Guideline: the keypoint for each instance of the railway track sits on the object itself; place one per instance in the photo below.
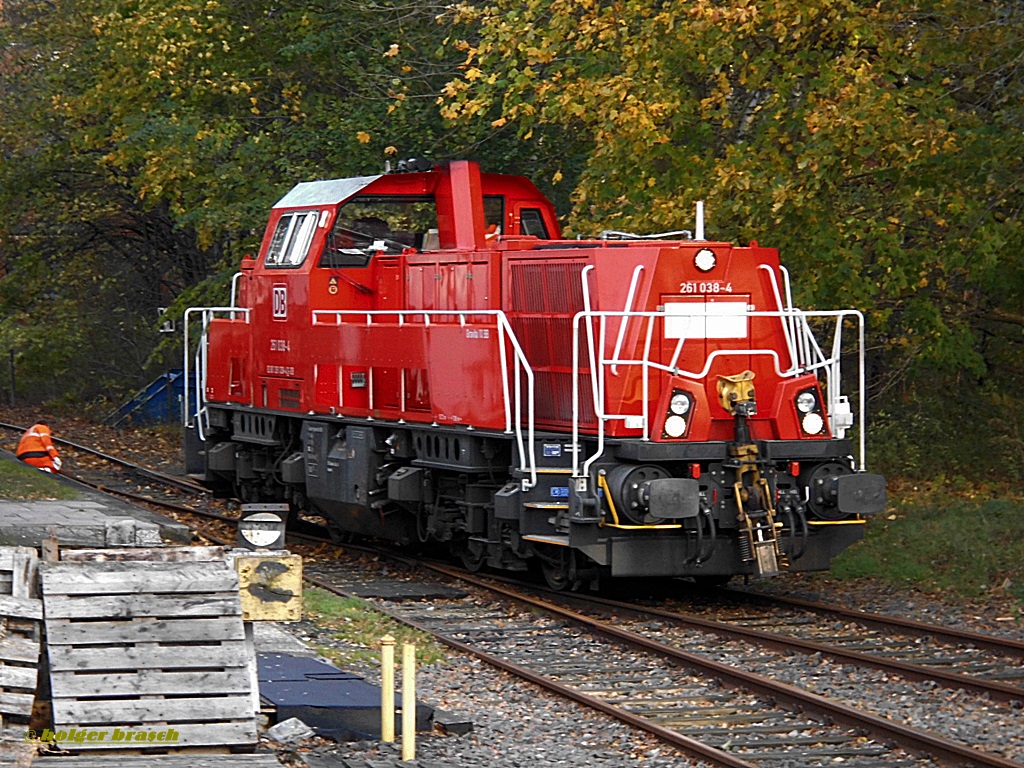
(956, 659)
(609, 656)
(130, 468)
(710, 709)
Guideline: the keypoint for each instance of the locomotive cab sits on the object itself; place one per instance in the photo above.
(418, 356)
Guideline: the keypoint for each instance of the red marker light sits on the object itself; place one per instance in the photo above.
(695, 470)
(794, 468)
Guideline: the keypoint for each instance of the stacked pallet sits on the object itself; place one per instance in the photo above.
(148, 655)
(21, 615)
(161, 761)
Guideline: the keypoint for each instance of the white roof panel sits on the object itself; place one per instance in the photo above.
(328, 192)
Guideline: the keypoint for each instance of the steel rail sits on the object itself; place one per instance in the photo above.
(913, 739)
(148, 500)
(691, 746)
(1007, 645)
(178, 482)
(996, 690)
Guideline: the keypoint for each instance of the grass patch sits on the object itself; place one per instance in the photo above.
(360, 628)
(20, 482)
(964, 546)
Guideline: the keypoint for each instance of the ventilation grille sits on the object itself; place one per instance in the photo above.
(288, 398)
(545, 298)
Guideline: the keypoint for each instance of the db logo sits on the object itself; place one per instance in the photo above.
(280, 301)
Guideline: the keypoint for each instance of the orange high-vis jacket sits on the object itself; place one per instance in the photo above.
(36, 447)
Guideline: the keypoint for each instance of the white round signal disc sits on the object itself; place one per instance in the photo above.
(261, 530)
(705, 260)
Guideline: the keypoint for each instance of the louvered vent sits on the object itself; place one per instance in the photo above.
(545, 296)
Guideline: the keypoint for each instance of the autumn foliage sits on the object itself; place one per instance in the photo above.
(879, 145)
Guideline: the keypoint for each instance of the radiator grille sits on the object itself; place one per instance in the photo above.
(544, 298)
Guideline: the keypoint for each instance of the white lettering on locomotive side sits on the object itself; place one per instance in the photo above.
(280, 298)
(280, 370)
(280, 345)
(478, 333)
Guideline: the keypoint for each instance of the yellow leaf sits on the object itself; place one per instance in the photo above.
(364, 137)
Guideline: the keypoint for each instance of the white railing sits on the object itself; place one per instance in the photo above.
(513, 401)
(202, 348)
(235, 280)
(802, 350)
(805, 356)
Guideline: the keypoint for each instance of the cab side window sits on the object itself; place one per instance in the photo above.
(494, 214)
(292, 236)
(531, 222)
(385, 224)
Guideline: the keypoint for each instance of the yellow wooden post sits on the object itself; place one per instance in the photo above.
(387, 688)
(408, 702)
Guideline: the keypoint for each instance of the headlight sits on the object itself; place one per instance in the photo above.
(806, 402)
(675, 426)
(679, 404)
(812, 423)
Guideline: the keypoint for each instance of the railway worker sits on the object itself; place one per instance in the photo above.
(36, 448)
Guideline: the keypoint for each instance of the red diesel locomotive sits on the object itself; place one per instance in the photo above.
(419, 356)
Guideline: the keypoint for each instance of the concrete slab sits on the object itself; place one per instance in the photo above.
(270, 638)
(91, 520)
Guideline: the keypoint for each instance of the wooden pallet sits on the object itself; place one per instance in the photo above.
(151, 654)
(21, 615)
(159, 761)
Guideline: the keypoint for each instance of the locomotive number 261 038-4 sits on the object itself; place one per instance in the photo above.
(709, 286)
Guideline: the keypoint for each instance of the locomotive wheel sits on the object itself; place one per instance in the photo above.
(557, 577)
(559, 570)
(473, 561)
(338, 534)
(247, 492)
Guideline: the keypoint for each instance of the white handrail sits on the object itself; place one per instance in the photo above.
(808, 358)
(788, 332)
(584, 280)
(629, 306)
(234, 289)
(789, 300)
(201, 347)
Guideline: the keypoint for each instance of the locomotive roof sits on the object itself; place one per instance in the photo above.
(326, 192)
